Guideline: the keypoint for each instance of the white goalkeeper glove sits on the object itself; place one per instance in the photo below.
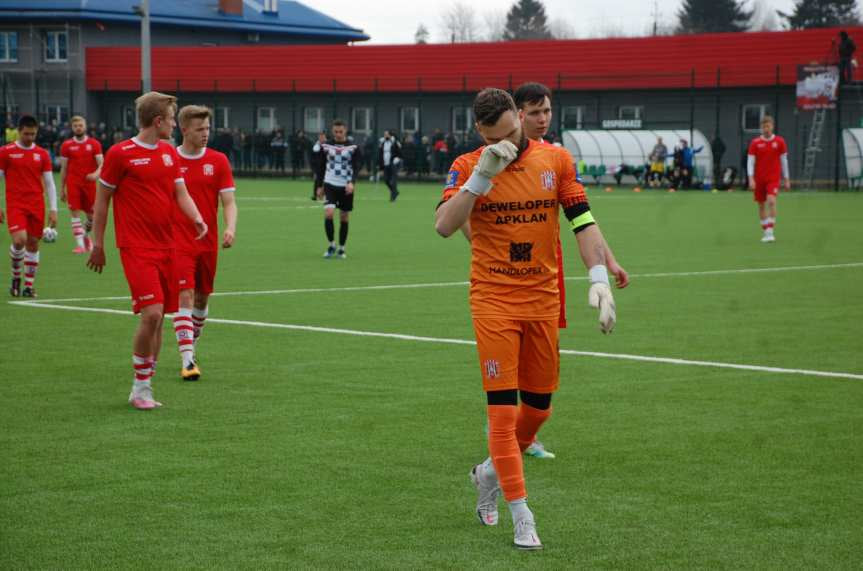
(492, 160)
(599, 296)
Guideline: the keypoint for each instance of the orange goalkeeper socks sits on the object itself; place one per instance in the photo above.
(528, 423)
(504, 450)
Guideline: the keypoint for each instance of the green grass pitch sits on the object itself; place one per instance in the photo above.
(322, 449)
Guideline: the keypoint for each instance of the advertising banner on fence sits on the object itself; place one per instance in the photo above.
(817, 86)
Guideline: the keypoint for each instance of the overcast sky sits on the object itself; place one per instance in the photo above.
(395, 21)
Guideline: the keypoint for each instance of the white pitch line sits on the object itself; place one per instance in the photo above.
(452, 284)
(424, 339)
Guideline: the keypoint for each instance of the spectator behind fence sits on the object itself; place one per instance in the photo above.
(278, 147)
(717, 147)
(299, 150)
(846, 58)
(389, 160)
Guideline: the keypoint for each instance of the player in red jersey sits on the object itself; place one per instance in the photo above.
(142, 176)
(208, 177)
(27, 170)
(80, 165)
(767, 167)
(533, 101)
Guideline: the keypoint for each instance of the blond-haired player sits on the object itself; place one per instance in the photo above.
(80, 164)
(208, 177)
(511, 192)
(767, 167)
(142, 176)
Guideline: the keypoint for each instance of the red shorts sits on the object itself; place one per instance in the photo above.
(764, 188)
(150, 274)
(29, 218)
(515, 354)
(196, 270)
(561, 285)
(81, 194)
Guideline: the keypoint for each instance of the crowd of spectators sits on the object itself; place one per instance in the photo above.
(277, 153)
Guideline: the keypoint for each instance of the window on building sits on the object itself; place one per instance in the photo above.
(313, 121)
(9, 46)
(56, 114)
(361, 120)
(56, 46)
(752, 116)
(266, 119)
(629, 112)
(130, 121)
(572, 117)
(410, 119)
(462, 119)
(220, 117)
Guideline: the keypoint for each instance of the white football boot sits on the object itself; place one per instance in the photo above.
(488, 492)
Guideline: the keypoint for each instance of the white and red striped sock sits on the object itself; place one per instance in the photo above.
(31, 264)
(764, 223)
(185, 335)
(771, 222)
(143, 370)
(199, 319)
(17, 257)
(78, 232)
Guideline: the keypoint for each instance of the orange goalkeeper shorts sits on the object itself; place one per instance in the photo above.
(517, 354)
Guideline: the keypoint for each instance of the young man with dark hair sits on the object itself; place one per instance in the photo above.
(80, 164)
(767, 167)
(142, 176)
(533, 101)
(338, 166)
(28, 173)
(208, 177)
(511, 191)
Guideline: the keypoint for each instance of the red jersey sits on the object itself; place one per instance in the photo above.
(23, 168)
(144, 179)
(767, 153)
(207, 176)
(81, 157)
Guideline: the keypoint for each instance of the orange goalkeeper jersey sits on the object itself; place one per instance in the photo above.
(514, 232)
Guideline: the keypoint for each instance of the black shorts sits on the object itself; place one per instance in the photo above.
(336, 196)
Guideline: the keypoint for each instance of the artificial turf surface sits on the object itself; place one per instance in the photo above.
(322, 449)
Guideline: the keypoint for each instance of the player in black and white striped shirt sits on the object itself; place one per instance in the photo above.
(338, 166)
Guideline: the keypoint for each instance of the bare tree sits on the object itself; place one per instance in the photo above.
(495, 25)
(421, 36)
(562, 29)
(458, 23)
(764, 18)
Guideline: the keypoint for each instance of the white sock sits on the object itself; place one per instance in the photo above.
(519, 510)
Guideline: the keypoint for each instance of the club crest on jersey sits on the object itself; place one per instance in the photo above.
(451, 178)
(774, 145)
(547, 179)
(166, 158)
(492, 368)
(89, 147)
(208, 169)
(37, 157)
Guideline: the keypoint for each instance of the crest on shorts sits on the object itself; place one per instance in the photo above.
(492, 368)
(166, 158)
(547, 179)
(208, 169)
